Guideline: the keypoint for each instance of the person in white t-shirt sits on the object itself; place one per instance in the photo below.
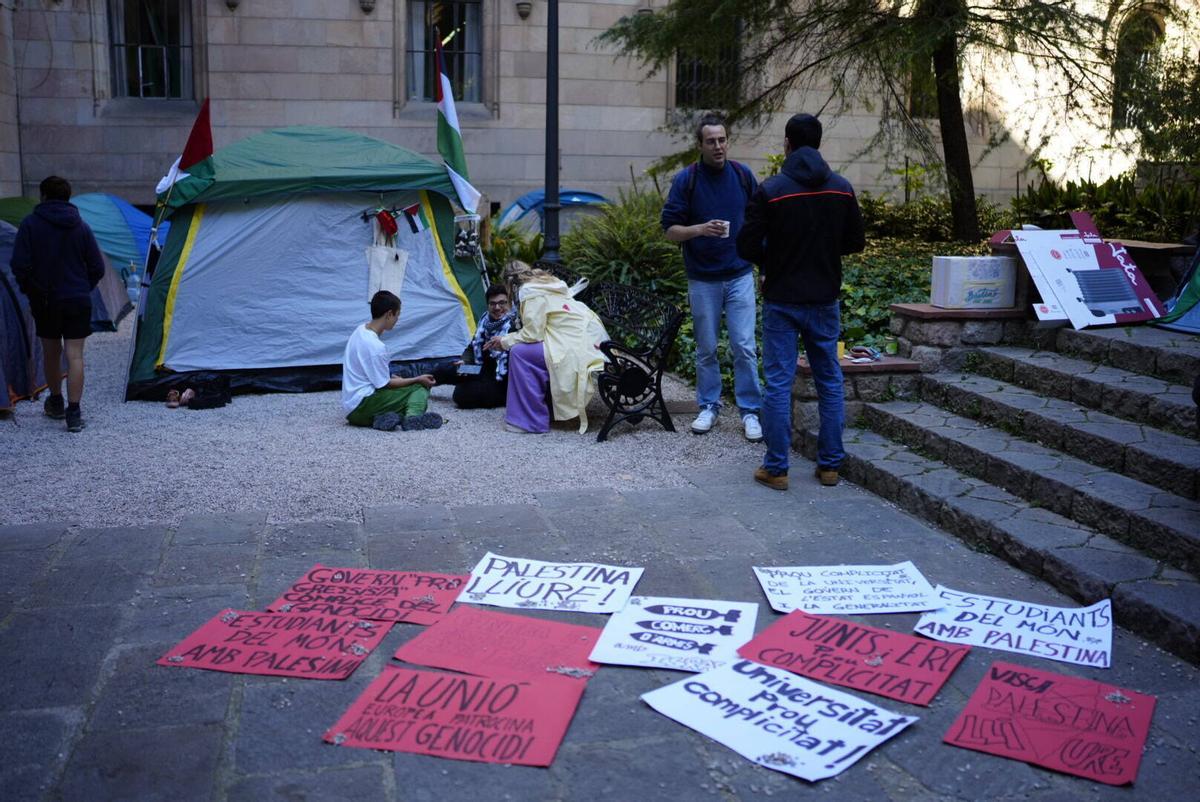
(371, 396)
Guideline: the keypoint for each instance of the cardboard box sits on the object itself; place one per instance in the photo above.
(973, 282)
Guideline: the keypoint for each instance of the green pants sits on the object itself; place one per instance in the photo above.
(410, 400)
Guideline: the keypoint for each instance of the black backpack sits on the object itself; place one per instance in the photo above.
(743, 174)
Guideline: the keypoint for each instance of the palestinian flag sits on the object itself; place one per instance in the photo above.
(449, 136)
(197, 154)
(416, 218)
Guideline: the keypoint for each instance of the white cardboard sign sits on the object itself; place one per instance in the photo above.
(847, 589)
(532, 584)
(777, 719)
(1080, 635)
(682, 634)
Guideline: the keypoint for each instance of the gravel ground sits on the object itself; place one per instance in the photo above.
(294, 456)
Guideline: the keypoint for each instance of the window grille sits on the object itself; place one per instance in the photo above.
(459, 23)
(151, 48)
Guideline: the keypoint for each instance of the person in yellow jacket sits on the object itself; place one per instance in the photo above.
(557, 344)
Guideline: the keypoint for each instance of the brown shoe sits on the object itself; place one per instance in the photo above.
(769, 480)
(827, 477)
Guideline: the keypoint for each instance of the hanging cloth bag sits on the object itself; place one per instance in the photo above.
(385, 262)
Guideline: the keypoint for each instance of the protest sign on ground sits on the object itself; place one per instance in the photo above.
(683, 634)
(412, 597)
(577, 587)
(489, 643)
(1068, 724)
(1081, 635)
(304, 645)
(847, 589)
(891, 664)
(484, 719)
(777, 719)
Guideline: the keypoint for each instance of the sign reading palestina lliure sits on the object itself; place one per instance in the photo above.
(1081, 635)
(1068, 724)
(891, 664)
(301, 645)
(777, 719)
(486, 642)
(681, 634)
(412, 597)
(577, 587)
(482, 719)
(847, 589)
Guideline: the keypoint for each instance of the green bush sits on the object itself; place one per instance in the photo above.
(509, 242)
(926, 218)
(1169, 210)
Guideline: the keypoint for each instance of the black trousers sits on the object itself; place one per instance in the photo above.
(475, 392)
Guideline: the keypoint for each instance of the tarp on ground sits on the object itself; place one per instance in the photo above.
(264, 274)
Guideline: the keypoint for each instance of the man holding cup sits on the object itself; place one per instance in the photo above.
(704, 213)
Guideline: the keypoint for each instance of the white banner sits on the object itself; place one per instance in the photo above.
(777, 719)
(847, 589)
(682, 634)
(1080, 635)
(532, 584)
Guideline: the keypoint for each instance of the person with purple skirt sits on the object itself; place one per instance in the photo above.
(557, 347)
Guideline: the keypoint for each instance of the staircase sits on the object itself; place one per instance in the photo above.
(1071, 454)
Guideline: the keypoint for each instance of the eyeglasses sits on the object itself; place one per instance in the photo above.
(497, 303)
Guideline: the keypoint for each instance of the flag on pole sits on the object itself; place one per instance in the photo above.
(196, 152)
(449, 136)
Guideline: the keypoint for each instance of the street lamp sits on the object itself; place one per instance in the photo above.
(550, 240)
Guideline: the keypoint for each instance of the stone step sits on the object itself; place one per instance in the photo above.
(1167, 461)
(1158, 523)
(1151, 351)
(1133, 396)
(1149, 597)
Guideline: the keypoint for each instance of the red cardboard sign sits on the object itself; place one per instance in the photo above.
(485, 719)
(486, 643)
(303, 645)
(412, 597)
(1068, 724)
(891, 664)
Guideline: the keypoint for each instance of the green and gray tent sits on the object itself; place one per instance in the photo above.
(264, 274)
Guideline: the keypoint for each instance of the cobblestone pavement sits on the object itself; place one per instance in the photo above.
(84, 613)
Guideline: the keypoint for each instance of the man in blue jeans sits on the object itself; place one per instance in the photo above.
(798, 226)
(704, 213)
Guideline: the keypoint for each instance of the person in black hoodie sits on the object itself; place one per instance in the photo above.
(798, 226)
(57, 263)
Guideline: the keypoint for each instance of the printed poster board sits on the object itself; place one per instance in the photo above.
(481, 719)
(1068, 724)
(847, 589)
(777, 719)
(301, 645)
(488, 643)
(1081, 635)
(879, 661)
(532, 584)
(411, 597)
(681, 634)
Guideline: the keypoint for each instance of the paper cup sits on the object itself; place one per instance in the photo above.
(724, 228)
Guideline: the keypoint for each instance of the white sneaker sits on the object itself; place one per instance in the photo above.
(704, 421)
(753, 428)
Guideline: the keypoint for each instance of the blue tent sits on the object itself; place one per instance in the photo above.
(528, 211)
(21, 372)
(122, 229)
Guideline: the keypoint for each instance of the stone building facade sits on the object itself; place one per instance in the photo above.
(71, 72)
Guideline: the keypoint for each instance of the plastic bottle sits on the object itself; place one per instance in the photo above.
(133, 283)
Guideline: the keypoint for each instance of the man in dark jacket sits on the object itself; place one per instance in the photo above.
(57, 263)
(798, 226)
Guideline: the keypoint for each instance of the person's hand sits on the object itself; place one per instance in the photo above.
(495, 344)
(426, 380)
(713, 228)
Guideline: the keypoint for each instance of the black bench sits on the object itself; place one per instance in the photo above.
(642, 328)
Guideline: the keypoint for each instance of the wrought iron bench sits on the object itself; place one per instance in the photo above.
(643, 329)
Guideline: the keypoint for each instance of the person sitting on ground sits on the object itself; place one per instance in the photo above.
(371, 396)
(488, 387)
(557, 344)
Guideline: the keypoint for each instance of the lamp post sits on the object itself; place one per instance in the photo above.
(550, 241)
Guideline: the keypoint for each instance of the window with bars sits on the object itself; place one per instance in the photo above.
(710, 82)
(459, 24)
(151, 48)
(1137, 47)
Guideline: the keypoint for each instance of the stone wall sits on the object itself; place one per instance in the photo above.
(10, 141)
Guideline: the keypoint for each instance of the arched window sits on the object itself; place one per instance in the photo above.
(1137, 47)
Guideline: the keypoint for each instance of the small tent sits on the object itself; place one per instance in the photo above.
(264, 274)
(21, 372)
(121, 229)
(110, 300)
(529, 211)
